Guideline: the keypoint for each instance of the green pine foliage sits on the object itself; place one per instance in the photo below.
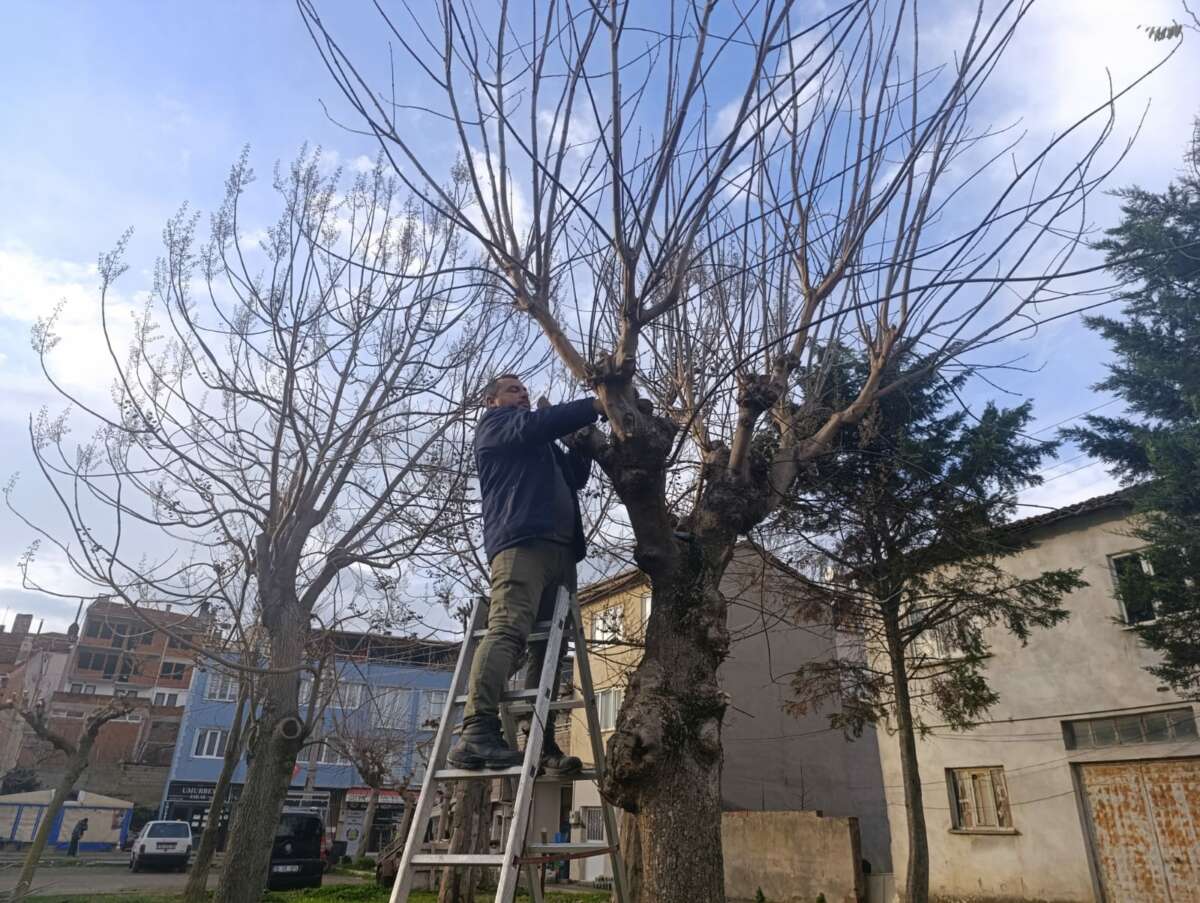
(1155, 251)
(902, 528)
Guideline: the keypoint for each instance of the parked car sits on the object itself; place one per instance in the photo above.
(296, 853)
(165, 843)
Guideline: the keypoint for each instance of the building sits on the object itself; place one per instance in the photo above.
(772, 760)
(32, 665)
(1084, 782)
(117, 651)
(381, 688)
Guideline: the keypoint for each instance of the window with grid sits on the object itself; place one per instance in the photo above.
(608, 704)
(432, 704)
(210, 744)
(326, 753)
(1124, 730)
(608, 625)
(172, 670)
(166, 699)
(593, 823)
(391, 707)
(979, 799)
(349, 694)
(221, 687)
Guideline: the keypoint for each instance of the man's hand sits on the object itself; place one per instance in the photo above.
(543, 402)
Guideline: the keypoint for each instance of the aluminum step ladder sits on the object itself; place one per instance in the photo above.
(566, 625)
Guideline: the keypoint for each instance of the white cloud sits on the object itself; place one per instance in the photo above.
(362, 163)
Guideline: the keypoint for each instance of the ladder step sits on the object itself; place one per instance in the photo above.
(458, 859)
(505, 697)
(540, 631)
(595, 847)
(461, 774)
(559, 705)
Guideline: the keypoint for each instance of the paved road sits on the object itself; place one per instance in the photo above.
(107, 879)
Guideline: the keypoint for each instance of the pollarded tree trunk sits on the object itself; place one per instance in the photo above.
(197, 885)
(664, 760)
(916, 884)
(76, 763)
(369, 822)
(272, 750)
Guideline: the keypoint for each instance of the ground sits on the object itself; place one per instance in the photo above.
(113, 884)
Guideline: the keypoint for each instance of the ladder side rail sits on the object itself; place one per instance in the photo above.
(509, 872)
(402, 885)
(593, 721)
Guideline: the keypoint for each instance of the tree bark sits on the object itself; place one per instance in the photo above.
(916, 883)
(631, 855)
(276, 740)
(75, 766)
(664, 759)
(197, 885)
(458, 884)
(369, 822)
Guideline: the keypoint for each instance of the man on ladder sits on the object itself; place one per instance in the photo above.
(533, 537)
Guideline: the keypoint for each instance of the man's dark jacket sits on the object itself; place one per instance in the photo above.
(515, 455)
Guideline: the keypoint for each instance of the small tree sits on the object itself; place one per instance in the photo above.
(1157, 375)
(905, 519)
(77, 754)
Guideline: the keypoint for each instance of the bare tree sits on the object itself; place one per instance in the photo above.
(276, 423)
(695, 205)
(77, 754)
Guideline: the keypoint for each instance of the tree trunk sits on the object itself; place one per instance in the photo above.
(664, 759)
(458, 884)
(631, 855)
(916, 884)
(369, 822)
(197, 885)
(75, 766)
(276, 740)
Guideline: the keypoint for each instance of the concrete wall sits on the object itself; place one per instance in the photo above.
(1088, 666)
(791, 856)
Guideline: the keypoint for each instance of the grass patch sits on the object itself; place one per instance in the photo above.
(358, 893)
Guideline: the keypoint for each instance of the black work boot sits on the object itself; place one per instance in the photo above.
(482, 745)
(557, 763)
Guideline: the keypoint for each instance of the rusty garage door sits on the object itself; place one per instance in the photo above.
(1145, 829)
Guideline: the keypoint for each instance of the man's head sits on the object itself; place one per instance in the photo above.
(506, 391)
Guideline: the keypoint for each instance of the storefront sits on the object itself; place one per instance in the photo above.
(389, 814)
(190, 801)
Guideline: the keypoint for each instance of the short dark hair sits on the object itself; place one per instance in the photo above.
(492, 389)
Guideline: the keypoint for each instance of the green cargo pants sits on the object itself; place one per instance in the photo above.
(525, 582)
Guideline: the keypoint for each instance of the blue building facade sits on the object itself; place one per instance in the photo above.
(385, 689)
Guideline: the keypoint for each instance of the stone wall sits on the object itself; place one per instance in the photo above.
(792, 857)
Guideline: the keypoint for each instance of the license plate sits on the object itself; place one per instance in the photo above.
(285, 868)
(165, 846)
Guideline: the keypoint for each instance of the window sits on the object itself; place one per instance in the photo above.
(67, 713)
(92, 629)
(1131, 574)
(593, 823)
(76, 688)
(132, 694)
(173, 643)
(608, 703)
(349, 695)
(1123, 730)
(392, 707)
(607, 625)
(89, 689)
(171, 700)
(221, 687)
(433, 702)
(979, 799)
(172, 670)
(647, 605)
(210, 744)
(325, 753)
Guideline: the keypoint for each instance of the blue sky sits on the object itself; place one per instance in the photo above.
(115, 113)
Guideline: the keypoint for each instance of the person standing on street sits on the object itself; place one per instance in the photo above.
(533, 538)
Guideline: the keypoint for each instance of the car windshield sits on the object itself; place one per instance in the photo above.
(169, 829)
(298, 826)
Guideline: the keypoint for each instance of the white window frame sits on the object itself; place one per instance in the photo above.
(1147, 569)
(593, 823)
(173, 665)
(608, 705)
(164, 700)
(349, 694)
(608, 626)
(647, 607)
(221, 687)
(987, 810)
(210, 743)
(325, 753)
(391, 707)
(433, 704)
